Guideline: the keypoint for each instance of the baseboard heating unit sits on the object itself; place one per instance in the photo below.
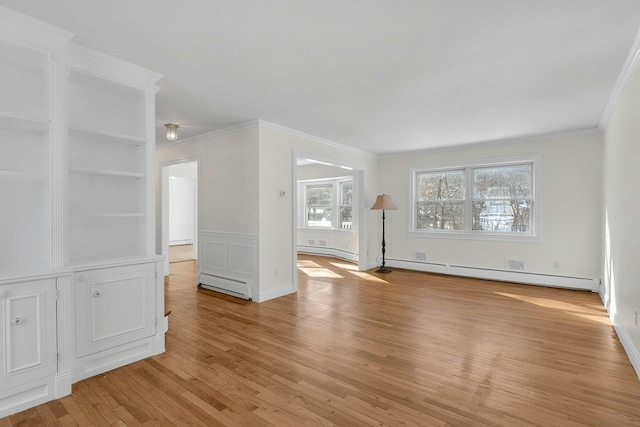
(225, 285)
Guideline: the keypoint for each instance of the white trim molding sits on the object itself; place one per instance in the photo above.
(326, 251)
(627, 343)
(274, 293)
(209, 135)
(630, 66)
(568, 282)
(269, 125)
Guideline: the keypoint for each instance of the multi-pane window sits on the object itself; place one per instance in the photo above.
(319, 205)
(328, 203)
(346, 205)
(440, 200)
(476, 199)
(503, 199)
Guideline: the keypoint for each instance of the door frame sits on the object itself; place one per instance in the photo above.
(163, 231)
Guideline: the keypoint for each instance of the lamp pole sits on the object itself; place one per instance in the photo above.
(382, 268)
(383, 202)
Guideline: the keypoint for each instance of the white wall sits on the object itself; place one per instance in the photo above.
(242, 171)
(228, 168)
(569, 201)
(621, 251)
(278, 147)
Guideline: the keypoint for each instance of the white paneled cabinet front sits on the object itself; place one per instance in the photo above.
(28, 358)
(78, 287)
(114, 306)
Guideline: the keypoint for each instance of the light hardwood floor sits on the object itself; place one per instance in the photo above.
(359, 348)
(180, 253)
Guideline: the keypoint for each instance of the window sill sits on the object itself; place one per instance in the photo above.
(463, 235)
(326, 230)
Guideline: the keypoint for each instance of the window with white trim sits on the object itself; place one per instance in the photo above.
(346, 204)
(319, 205)
(328, 203)
(489, 199)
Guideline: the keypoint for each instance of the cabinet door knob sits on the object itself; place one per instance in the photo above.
(96, 294)
(17, 321)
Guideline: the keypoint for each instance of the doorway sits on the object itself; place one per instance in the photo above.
(343, 238)
(179, 212)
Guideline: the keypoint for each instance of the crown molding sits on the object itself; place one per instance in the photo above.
(209, 135)
(27, 31)
(498, 142)
(257, 124)
(294, 132)
(95, 63)
(630, 67)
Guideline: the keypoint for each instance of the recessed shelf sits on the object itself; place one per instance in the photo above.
(106, 136)
(108, 173)
(23, 123)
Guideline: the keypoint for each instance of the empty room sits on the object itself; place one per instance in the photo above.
(389, 213)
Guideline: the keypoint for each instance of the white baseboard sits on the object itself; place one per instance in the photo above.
(62, 384)
(604, 296)
(326, 251)
(97, 363)
(236, 288)
(581, 283)
(26, 396)
(274, 293)
(627, 343)
(180, 242)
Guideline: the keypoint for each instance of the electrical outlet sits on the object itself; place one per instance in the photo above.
(556, 264)
(635, 318)
(275, 272)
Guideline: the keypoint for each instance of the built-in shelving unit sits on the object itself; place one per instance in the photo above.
(24, 163)
(107, 169)
(81, 288)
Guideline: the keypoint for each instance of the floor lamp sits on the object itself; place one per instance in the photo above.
(383, 202)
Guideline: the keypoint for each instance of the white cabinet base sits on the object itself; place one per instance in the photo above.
(26, 396)
(98, 363)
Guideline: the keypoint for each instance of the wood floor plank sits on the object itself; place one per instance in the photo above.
(361, 348)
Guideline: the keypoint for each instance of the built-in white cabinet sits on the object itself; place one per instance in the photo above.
(28, 322)
(81, 288)
(114, 306)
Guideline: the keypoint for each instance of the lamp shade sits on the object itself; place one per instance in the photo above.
(384, 202)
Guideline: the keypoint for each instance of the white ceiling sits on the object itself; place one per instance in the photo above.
(379, 75)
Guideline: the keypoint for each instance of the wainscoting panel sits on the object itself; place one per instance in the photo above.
(228, 263)
(213, 255)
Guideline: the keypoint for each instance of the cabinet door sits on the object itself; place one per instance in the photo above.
(28, 320)
(114, 306)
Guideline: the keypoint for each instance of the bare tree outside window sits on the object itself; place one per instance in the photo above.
(482, 199)
(440, 200)
(502, 198)
(346, 205)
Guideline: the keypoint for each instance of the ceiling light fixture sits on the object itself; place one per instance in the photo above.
(172, 131)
